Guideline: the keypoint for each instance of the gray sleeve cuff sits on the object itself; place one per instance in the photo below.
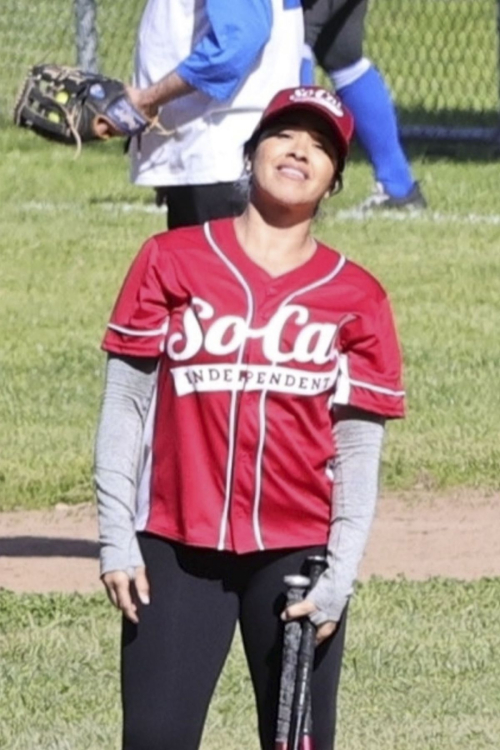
(127, 397)
(122, 557)
(356, 470)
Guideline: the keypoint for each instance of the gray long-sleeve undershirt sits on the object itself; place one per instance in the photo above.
(128, 390)
(130, 384)
(359, 445)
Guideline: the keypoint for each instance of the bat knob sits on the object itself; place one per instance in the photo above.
(316, 564)
(316, 560)
(297, 581)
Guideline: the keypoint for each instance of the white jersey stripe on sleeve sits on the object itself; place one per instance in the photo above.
(377, 388)
(345, 384)
(140, 332)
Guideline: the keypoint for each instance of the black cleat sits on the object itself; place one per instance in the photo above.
(382, 201)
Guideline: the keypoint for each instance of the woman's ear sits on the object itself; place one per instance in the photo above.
(336, 186)
(248, 164)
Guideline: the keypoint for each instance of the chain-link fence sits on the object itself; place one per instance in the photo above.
(441, 60)
(65, 32)
(440, 57)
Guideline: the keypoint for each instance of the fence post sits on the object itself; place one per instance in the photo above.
(86, 35)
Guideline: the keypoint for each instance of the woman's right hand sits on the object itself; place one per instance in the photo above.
(123, 590)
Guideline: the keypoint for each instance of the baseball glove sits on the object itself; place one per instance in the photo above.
(68, 105)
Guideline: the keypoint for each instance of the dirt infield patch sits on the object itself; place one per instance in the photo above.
(416, 536)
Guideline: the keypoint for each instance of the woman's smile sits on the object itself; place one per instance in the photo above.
(293, 172)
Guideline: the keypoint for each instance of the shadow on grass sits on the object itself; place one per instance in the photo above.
(41, 546)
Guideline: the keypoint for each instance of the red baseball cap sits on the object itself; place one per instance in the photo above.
(314, 99)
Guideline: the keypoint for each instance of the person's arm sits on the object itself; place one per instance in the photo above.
(220, 61)
(129, 386)
(359, 437)
(368, 391)
(168, 88)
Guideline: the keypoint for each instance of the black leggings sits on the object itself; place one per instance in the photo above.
(335, 31)
(171, 661)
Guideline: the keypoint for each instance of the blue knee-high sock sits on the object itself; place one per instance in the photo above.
(370, 102)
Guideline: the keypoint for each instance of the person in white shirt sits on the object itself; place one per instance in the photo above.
(208, 69)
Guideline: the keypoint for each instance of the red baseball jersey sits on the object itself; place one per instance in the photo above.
(238, 447)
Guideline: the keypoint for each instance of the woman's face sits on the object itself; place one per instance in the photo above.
(294, 162)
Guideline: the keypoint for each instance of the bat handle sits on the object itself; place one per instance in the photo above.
(316, 564)
(307, 726)
(296, 585)
(302, 682)
(300, 737)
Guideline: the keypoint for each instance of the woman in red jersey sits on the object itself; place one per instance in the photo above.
(250, 372)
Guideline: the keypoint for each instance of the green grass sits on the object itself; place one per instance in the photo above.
(66, 242)
(60, 269)
(442, 273)
(420, 672)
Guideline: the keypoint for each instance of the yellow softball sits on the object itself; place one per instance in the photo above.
(62, 97)
(53, 117)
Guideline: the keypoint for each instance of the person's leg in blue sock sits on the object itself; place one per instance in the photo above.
(363, 91)
(335, 32)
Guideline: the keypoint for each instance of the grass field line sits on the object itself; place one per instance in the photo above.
(353, 214)
(431, 217)
(118, 207)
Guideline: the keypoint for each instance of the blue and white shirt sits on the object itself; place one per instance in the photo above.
(237, 54)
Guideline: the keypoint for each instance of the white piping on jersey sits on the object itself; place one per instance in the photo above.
(262, 409)
(234, 395)
(343, 385)
(258, 471)
(377, 388)
(139, 332)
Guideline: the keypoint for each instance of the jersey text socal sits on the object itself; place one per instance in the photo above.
(315, 342)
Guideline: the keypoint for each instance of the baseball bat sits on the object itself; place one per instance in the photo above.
(300, 734)
(296, 585)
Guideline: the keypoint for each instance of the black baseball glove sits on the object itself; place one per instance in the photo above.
(71, 106)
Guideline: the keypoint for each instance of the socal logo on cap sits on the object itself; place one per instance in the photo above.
(319, 96)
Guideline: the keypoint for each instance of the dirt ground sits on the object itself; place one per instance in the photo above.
(416, 536)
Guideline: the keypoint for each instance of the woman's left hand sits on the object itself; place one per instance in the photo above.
(303, 609)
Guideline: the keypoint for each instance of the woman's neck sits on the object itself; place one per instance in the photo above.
(278, 245)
